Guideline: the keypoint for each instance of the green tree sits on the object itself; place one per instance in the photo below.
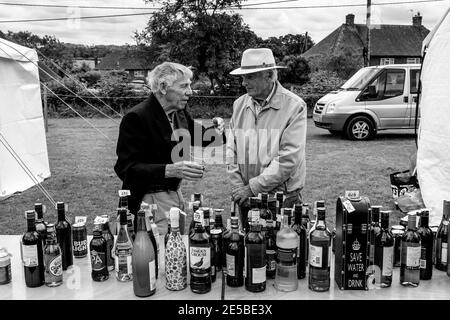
(287, 45)
(204, 34)
(297, 70)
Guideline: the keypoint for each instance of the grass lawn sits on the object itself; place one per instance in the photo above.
(81, 164)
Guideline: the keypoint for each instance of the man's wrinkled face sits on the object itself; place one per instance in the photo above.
(178, 93)
(257, 84)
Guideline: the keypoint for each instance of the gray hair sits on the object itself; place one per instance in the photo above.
(274, 74)
(168, 73)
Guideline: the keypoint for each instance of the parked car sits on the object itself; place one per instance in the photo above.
(375, 98)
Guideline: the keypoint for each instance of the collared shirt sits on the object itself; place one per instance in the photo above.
(267, 150)
(257, 107)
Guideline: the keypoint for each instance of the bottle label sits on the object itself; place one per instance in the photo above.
(124, 193)
(315, 256)
(388, 261)
(258, 275)
(152, 274)
(55, 266)
(423, 258)
(255, 216)
(198, 217)
(123, 264)
(200, 257)
(231, 265)
(444, 252)
(413, 257)
(98, 260)
(287, 255)
(30, 255)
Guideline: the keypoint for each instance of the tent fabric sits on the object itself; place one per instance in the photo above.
(433, 165)
(21, 119)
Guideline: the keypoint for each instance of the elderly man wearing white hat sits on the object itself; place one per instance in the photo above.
(266, 148)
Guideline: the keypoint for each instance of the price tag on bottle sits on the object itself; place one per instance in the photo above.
(124, 193)
(348, 206)
(81, 219)
(352, 194)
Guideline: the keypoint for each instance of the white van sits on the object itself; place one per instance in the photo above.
(374, 98)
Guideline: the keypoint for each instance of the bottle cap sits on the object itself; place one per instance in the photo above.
(50, 228)
(174, 215)
(30, 214)
(60, 206)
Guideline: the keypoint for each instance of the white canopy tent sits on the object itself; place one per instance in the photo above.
(21, 121)
(433, 154)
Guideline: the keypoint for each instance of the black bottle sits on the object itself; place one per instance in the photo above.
(255, 247)
(98, 249)
(299, 227)
(41, 225)
(200, 256)
(235, 255)
(271, 249)
(32, 253)
(426, 243)
(64, 236)
(442, 238)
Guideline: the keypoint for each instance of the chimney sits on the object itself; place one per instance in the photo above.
(350, 19)
(417, 20)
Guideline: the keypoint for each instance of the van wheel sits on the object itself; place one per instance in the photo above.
(360, 128)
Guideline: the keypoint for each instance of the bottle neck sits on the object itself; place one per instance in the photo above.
(384, 223)
(424, 222)
(61, 215)
(40, 214)
(141, 223)
(31, 226)
(411, 223)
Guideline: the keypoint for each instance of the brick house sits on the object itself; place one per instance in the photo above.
(389, 44)
(136, 67)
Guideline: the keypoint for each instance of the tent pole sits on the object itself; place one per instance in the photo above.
(45, 108)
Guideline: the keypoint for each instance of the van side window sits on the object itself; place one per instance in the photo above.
(388, 84)
(414, 81)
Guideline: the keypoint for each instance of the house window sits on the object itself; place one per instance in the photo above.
(385, 61)
(139, 73)
(413, 60)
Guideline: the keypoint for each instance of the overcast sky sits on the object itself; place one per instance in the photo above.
(265, 23)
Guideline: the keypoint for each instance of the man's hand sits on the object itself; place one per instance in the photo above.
(241, 194)
(219, 125)
(185, 170)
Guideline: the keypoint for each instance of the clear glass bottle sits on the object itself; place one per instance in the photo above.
(52, 259)
(200, 256)
(255, 259)
(123, 250)
(143, 260)
(98, 248)
(235, 255)
(279, 196)
(442, 239)
(287, 245)
(300, 228)
(410, 255)
(426, 251)
(319, 254)
(64, 235)
(32, 253)
(384, 251)
(175, 255)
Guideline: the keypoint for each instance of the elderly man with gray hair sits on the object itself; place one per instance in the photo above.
(150, 162)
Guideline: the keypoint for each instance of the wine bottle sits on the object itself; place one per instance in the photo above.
(279, 196)
(300, 229)
(64, 236)
(143, 260)
(200, 256)
(384, 251)
(271, 250)
(426, 243)
(32, 255)
(107, 234)
(175, 255)
(255, 259)
(265, 213)
(41, 225)
(410, 255)
(225, 239)
(195, 206)
(374, 230)
(123, 250)
(235, 255)
(52, 258)
(217, 240)
(98, 248)
(442, 239)
(319, 254)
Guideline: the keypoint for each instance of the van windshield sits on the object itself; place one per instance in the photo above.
(359, 80)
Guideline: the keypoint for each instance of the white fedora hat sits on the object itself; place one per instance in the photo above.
(255, 60)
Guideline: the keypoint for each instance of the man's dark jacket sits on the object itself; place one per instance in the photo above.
(144, 148)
